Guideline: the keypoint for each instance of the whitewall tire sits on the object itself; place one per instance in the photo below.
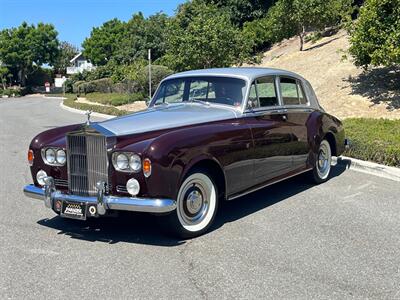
(197, 204)
(323, 161)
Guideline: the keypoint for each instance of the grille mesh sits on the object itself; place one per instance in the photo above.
(87, 163)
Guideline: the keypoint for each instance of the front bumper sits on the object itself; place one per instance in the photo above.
(103, 202)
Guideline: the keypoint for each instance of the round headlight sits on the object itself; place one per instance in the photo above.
(50, 155)
(122, 161)
(61, 157)
(40, 176)
(135, 162)
(133, 187)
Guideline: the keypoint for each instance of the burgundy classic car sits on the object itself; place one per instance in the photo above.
(207, 136)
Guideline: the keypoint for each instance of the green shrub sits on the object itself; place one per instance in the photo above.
(13, 92)
(114, 99)
(158, 73)
(375, 140)
(109, 110)
(105, 85)
(75, 86)
(68, 86)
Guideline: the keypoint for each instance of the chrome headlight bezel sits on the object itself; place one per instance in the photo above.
(133, 159)
(61, 156)
(40, 175)
(56, 151)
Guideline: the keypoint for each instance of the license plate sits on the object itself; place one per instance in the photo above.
(73, 210)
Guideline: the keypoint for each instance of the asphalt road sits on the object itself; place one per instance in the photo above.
(337, 240)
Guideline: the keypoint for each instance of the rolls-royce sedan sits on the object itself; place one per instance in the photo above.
(207, 136)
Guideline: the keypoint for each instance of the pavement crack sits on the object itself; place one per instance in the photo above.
(186, 260)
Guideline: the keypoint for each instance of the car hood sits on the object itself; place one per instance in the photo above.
(164, 117)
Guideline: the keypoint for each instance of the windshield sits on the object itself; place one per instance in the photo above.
(221, 90)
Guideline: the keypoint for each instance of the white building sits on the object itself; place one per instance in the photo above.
(79, 64)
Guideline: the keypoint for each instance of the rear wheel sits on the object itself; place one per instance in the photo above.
(323, 161)
(197, 205)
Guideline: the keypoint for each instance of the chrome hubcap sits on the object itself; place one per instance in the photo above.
(194, 201)
(194, 205)
(324, 160)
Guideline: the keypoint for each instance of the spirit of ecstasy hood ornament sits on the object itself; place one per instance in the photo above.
(88, 113)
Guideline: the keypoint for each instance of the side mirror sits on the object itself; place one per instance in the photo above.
(148, 101)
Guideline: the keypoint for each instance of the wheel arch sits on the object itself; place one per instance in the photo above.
(330, 137)
(213, 168)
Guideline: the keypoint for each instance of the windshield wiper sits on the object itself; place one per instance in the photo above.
(199, 101)
(162, 103)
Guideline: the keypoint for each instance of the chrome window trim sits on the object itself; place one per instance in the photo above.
(278, 110)
(262, 108)
(152, 103)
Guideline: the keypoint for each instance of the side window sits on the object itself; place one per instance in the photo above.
(303, 99)
(266, 92)
(292, 92)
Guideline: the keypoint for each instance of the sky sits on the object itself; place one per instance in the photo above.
(74, 19)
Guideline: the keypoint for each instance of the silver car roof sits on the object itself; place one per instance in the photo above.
(248, 73)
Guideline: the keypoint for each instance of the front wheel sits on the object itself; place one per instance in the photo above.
(197, 204)
(323, 161)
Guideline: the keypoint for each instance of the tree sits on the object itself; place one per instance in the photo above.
(27, 46)
(202, 36)
(375, 36)
(104, 41)
(125, 42)
(242, 11)
(66, 52)
(274, 27)
(141, 35)
(295, 17)
(4, 72)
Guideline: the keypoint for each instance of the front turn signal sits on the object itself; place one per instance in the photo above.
(30, 157)
(146, 167)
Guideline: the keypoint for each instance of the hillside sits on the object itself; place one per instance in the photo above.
(343, 89)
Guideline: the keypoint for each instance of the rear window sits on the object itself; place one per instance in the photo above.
(292, 92)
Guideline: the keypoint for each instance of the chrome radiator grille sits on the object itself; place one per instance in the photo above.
(87, 163)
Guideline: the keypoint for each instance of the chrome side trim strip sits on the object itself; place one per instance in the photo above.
(268, 184)
(112, 202)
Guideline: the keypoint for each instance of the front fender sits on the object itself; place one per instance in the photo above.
(174, 153)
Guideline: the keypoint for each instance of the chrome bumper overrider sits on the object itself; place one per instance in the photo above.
(103, 202)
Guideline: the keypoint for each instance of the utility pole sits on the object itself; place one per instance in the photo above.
(149, 74)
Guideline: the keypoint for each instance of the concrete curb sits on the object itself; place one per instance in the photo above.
(51, 97)
(368, 167)
(82, 112)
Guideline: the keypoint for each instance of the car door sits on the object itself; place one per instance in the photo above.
(297, 109)
(271, 132)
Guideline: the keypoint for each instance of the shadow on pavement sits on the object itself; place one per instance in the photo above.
(144, 229)
(251, 203)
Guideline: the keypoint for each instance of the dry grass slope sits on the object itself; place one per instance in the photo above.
(343, 89)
